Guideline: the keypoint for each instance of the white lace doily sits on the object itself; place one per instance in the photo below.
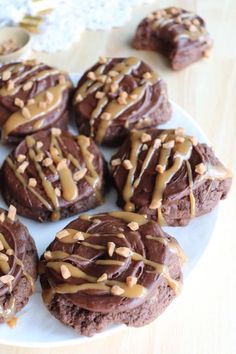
(69, 19)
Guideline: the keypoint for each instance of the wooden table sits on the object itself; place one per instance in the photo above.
(203, 319)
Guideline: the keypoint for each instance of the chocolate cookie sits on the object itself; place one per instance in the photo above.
(168, 176)
(115, 267)
(117, 95)
(52, 175)
(178, 34)
(33, 97)
(18, 263)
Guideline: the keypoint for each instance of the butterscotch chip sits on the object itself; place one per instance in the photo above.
(23, 167)
(102, 60)
(122, 100)
(49, 96)
(102, 278)
(10, 85)
(114, 87)
(117, 290)
(133, 226)
(31, 101)
(200, 168)
(11, 213)
(3, 257)
(27, 86)
(180, 131)
(131, 281)
(62, 164)
(6, 75)
(79, 236)
(113, 73)
(169, 144)
(157, 143)
(18, 102)
(108, 80)
(9, 252)
(179, 139)
(145, 137)
(99, 95)
(48, 255)
(2, 217)
(47, 162)
(123, 251)
(115, 162)
(39, 157)
(147, 75)
(39, 145)
(91, 75)
(124, 94)
(79, 98)
(32, 182)
(26, 113)
(160, 169)
(6, 279)
(80, 174)
(42, 104)
(110, 248)
(127, 164)
(193, 140)
(1, 246)
(65, 272)
(61, 234)
(120, 235)
(56, 131)
(57, 192)
(106, 116)
(21, 158)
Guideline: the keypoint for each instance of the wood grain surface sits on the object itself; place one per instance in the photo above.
(203, 318)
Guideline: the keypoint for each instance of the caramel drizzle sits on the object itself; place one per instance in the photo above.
(113, 108)
(17, 119)
(169, 18)
(68, 185)
(57, 259)
(9, 312)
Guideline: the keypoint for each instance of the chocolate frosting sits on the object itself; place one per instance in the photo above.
(174, 32)
(163, 171)
(33, 96)
(95, 272)
(52, 174)
(129, 93)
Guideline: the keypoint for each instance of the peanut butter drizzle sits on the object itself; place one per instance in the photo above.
(110, 262)
(191, 195)
(93, 178)
(9, 312)
(38, 77)
(17, 119)
(129, 217)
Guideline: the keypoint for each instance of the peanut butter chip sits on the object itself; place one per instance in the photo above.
(32, 182)
(47, 162)
(2, 217)
(1, 246)
(3, 257)
(99, 95)
(10, 85)
(103, 277)
(31, 101)
(114, 87)
(56, 131)
(18, 102)
(111, 248)
(61, 234)
(21, 158)
(123, 251)
(62, 164)
(39, 145)
(147, 75)
(11, 213)
(79, 236)
(179, 139)
(157, 143)
(57, 192)
(6, 75)
(48, 255)
(39, 157)
(102, 60)
(127, 164)
(91, 75)
(27, 86)
(180, 131)
(6, 279)
(79, 98)
(65, 272)
(145, 137)
(117, 290)
(113, 73)
(102, 78)
(115, 162)
(26, 113)
(169, 144)
(200, 168)
(80, 174)
(131, 281)
(23, 167)
(133, 226)
(9, 252)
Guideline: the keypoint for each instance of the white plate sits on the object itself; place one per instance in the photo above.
(35, 326)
